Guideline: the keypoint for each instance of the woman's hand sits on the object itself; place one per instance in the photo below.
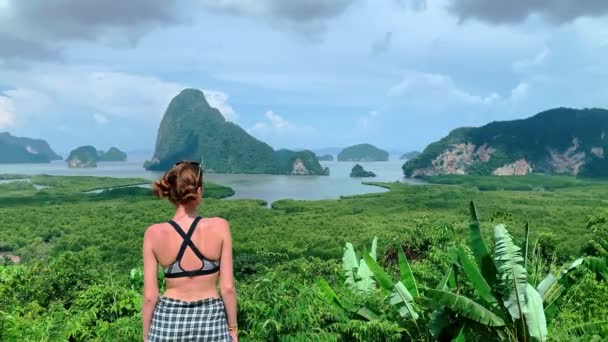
(235, 337)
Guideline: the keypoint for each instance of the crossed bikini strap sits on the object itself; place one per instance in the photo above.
(187, 239)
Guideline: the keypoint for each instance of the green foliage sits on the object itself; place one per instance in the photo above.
(362, 152)
(529, 182)
(79, 279)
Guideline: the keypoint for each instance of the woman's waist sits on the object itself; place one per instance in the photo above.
(190, 294)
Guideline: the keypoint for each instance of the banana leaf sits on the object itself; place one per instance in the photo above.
(349, 264)
(481, 287)
(400, 297)
(365, 281)
(407, 278)
(513, 275)
(480, 249)
(465, 307)
(461, 335)
(535, 315)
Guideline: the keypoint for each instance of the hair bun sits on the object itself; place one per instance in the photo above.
(180, 184)
(161, 188)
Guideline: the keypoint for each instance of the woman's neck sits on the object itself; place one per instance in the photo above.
(186, 210)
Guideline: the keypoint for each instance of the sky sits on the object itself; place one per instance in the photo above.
(399, 74)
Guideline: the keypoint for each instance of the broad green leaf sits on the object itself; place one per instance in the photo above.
(330, 297)
(401, 296)
(440, 320)
(349, 264)
(480, 249)
(364, 281)
(546, 284)
(461, 336)
(535, 315)
(448, 282)
(368, 314)
(513, 275)
(374, 247)
(383, 279)
(481, 287)
(465, 307)
(526, 238)
(406, 274)
(552, 287)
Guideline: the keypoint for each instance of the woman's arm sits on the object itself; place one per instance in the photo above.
(150, 281)
(226, 276)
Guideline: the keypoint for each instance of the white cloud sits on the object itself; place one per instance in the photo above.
(520, 91)
(219, 100)
(537, 60)
(275, 127)
(100, 119)
(433, 87)
(7, 112)
(60, 89)
(437, 92)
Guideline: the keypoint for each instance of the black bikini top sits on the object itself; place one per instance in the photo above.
(175, 270)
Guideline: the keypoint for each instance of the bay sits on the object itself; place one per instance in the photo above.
(266, 187)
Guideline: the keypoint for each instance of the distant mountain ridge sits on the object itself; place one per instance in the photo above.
(191, 129)
(556, 141)
(25, 150)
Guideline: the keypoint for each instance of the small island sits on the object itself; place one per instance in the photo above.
(83, 157)
(326, 157)
(358, 172)
(112, 155)
(88, 156)
(363, 153)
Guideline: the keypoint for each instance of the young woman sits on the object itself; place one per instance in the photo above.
(193, 252)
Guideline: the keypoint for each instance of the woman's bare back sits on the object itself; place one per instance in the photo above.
(208, 238)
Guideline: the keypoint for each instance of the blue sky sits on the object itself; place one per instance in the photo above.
(318, 73)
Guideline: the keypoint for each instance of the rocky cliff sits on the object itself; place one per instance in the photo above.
(557, 141)
(192, 129)
(358, 171)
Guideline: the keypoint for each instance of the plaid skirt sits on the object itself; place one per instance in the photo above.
(201, 320)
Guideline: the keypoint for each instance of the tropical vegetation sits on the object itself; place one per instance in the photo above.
(433, 273)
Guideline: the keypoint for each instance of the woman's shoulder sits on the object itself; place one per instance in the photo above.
(216, 226)
(155, 229)
(216, 223)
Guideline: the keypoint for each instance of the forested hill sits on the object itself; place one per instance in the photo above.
(556, 141)
(25, 150)
(363, 152)
(192, 129)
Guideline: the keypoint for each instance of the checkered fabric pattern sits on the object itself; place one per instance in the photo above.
(176, 320)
